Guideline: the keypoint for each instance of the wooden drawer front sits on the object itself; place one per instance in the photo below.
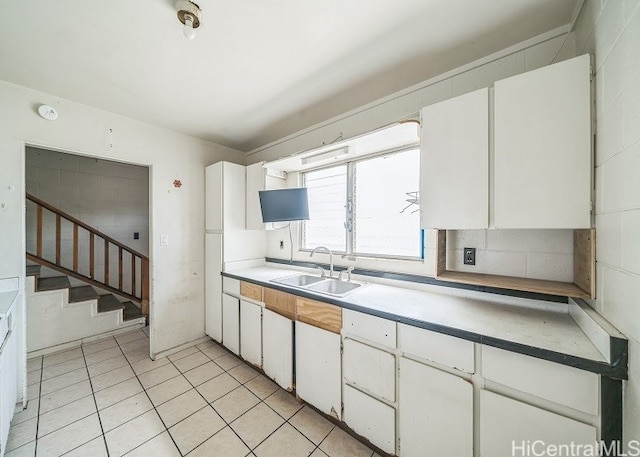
(252, 291)
(231, 286)
(372, 328)
(447, 350)
(319, 314)
(280, 302)
(558, 383)
(369, 368)
(370, 418)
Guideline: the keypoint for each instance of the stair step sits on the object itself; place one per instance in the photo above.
(82, 293)
(56, 282)
(131, 311)
(108, 303)
(33, 270)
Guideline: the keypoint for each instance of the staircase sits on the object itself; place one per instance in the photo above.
(85, 301)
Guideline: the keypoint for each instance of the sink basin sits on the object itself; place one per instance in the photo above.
(298, 280)
(326, 286)
(334, 287)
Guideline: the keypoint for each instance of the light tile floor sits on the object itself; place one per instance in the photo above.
(108, 398)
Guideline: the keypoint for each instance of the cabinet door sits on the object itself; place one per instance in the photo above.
(8, 386)
(277, 348)
(370, 418)
(505, 423)
(318, 374)
(435, 412)
(213, 286)
(231, 323)
(213, 197)
(234, 196)
(251, 332)
(454, 162)
(543, 147)
(255, 183)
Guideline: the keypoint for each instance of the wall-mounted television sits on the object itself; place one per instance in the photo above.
(282, 205)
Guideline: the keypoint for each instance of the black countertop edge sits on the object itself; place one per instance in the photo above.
(616, 370)
(428, 280)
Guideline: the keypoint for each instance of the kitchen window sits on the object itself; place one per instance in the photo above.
(366, 207)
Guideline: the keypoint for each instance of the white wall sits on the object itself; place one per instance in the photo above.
(110, 196)
(540, 254)
(177, 277)
(611, 31)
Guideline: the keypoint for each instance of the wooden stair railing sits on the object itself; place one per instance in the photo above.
(137, 290)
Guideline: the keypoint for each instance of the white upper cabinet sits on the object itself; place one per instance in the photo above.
(260, 178)
(255, 183)
(225, 196)
(543, 147)
(213, 197)
(454, 162)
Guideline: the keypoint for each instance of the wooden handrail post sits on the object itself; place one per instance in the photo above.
(39, 230)
(58, 236)
(133, 274)
(91, 255)
(120, 268)
(145, 286)
(75, 247)
(106, 262)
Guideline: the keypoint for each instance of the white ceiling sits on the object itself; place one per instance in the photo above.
(258, 69)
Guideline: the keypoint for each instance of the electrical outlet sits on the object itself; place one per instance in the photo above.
(136, 235)
(281, 244)
(469, 256)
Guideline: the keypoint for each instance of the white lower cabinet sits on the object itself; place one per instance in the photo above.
(370, 369)
(231, 323)
(508, 426)
(277, 348)
(251, 332)
(435, 412)
(318, 373)
(8, 385)
(370, 418)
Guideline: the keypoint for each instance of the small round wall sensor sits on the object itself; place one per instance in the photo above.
(47, 112)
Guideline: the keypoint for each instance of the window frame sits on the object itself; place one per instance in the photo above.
(350, 163)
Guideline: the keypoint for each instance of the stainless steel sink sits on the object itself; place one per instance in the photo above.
(334, 287)
(320, 285)
(298, 280)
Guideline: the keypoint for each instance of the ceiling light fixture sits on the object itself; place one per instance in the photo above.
(333, 154)
(189, 14)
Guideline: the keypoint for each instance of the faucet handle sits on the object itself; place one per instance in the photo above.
(322, 272)
(349, 270)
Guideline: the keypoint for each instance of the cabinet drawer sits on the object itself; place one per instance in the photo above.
(369, 368)
(319, 314)
(280, 302)
(558, 383)
(447, 350)
(252, 291)
(370, 418)
(372, 328)
(231, 286)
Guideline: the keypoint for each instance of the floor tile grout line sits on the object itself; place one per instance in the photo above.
(95, 402)
(35, 447)
(210, 404)
(154, 408)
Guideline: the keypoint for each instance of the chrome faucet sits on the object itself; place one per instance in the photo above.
(330, 258)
